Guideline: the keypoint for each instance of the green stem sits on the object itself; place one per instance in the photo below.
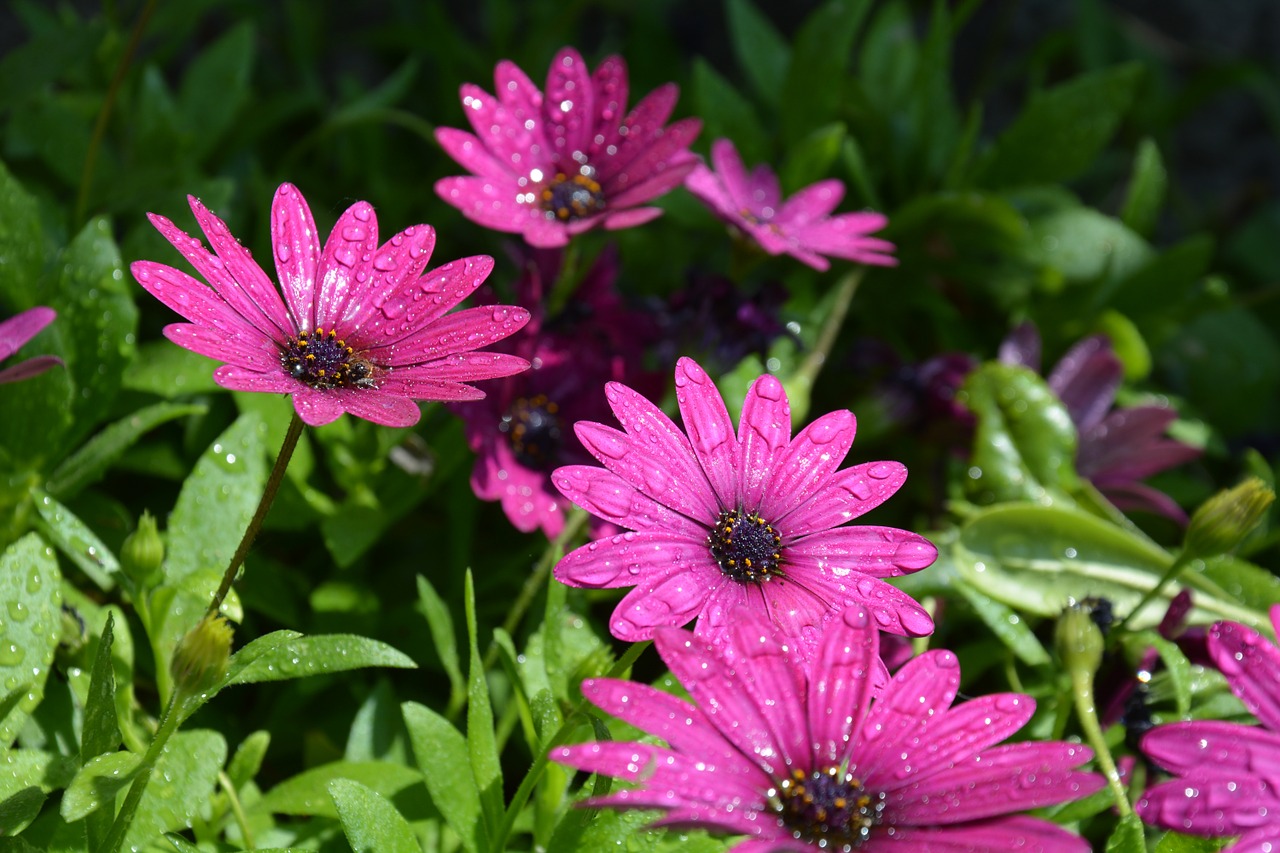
(168, 725)
(255, 524)
(1184, 559)
(817, 357)
(1087, 712)
(233, 799)
(543, 755)
(108, 104)
(566, 282)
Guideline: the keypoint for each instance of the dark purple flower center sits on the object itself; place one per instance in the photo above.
(569, 197)
(747, 547)
(829, 807)
(323, 360)
(532, 427)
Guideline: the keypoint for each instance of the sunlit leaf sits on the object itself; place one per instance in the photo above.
(32, 614)
(372, 824)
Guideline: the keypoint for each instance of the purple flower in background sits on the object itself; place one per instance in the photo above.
(14, 333)
(721, 521)
(713, 315)
(521, 431)
(1225, 773)
(801, 226)
(551, 165)
(1117, 447)
(825, 758)
(362, 327)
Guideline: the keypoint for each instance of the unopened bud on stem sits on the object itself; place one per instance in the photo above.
(1222, 522)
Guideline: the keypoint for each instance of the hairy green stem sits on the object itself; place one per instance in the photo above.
(846, 287)
(108, 105)
(541, 758)
(255, 524)
(237, 810)
(120, 827)
(1087, 713)
(1184, 559)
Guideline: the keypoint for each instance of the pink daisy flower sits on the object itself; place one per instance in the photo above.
(14, 333)
(1225, 774)
(720, 521)
(824, 758)
(551, 165)
(362, 328)
(801, 226)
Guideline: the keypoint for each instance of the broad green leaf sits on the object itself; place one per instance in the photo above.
(1178, 669)
(1128, 836)
(317, 655)
(215, 87)
(307, 793)
(1024, 446)
(814, 83)
(97, 784)
(22, 244)
(763, 54)
(169, 371)
(1059, 134)
(372, 824)
(182, 845)
(217, 500)
(32, 614)
(811, 159)
(1165, 284)
(176, 607)
(31, 68)
(441, 753)
(247, 761)
(1146, 189)
(181, 783)
(1006, 624)
(855, 163)
(101, 733)
(1128, 343)
(27, 776)
(1176, 842)
(1037, 559)
(377, 732)
(87, 465)
(1082, 246)
(444, 640)
(481, 742)
(76, 541)
(727, 114)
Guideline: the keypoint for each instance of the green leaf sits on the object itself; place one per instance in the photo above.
(1128, 343)
(97, 784)
(811, 159)
(1178, 669)
(814, 83)
(215, 87)
(76, 541)
(307, 793)
(481, 742)
(27, 776)
(1146, 189)
(229, 477)
(299, 656)
(1128, 836)
(101, 732)
(441, 753)
(31, 68)
(247, 761)
(1176, 842)
(1083, 246)
(181, 783)
(1038, 558)
(170, 371)
(372, 824)
(1061, 131)
(1006, 624)
(727, 114)
(32, 614)
(182, 845)
(763, 54)
(22, 245)
(377, 733)
(87, 465)
(175, 608)
(444, 640)
(1024, 446)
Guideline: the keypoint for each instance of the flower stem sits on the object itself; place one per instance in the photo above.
(1087, 713)
(237, 810)
(120, 827)
(1184, 559)
(108, 104)
(541, 758)
(846, 287)
(255, 524)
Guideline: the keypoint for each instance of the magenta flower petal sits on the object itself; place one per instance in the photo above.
(14, 333)
(554, 164)
(801, 226)
(351, 333)
(1086, 380)
(1246, 658)
(826, 758)
(31, 367)
(726, 518)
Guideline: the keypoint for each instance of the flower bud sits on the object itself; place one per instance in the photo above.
(142, 554)
(1078, 639)
(1222, 522)
(201, 658)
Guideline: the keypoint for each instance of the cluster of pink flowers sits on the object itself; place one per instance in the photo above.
(796, 737)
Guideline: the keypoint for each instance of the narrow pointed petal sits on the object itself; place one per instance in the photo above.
(669, 601)
(255, 297)
(1028, 834)
(629, 559)
(386, 409)
(251, 353)
(193, 300)
(810, 460)
(315, 408)
(411, 309)
(1186, 746)
(840, 687)
(881, 552)
(296, 245)
(397, 265)
(851, 493)
(817, 201)
(924, 687)
(346, 257)
(20, 328)
(645, 469)
(1251, 665)
(763, 434)
(606, 495)
(31, 367)
(710, 430)
(569, 105)
(239, 379)
(1086, 380)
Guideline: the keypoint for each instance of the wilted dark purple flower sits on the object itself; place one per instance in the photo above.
(714, 316)
(15, 332)
(823, 757)
(1117, 448)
